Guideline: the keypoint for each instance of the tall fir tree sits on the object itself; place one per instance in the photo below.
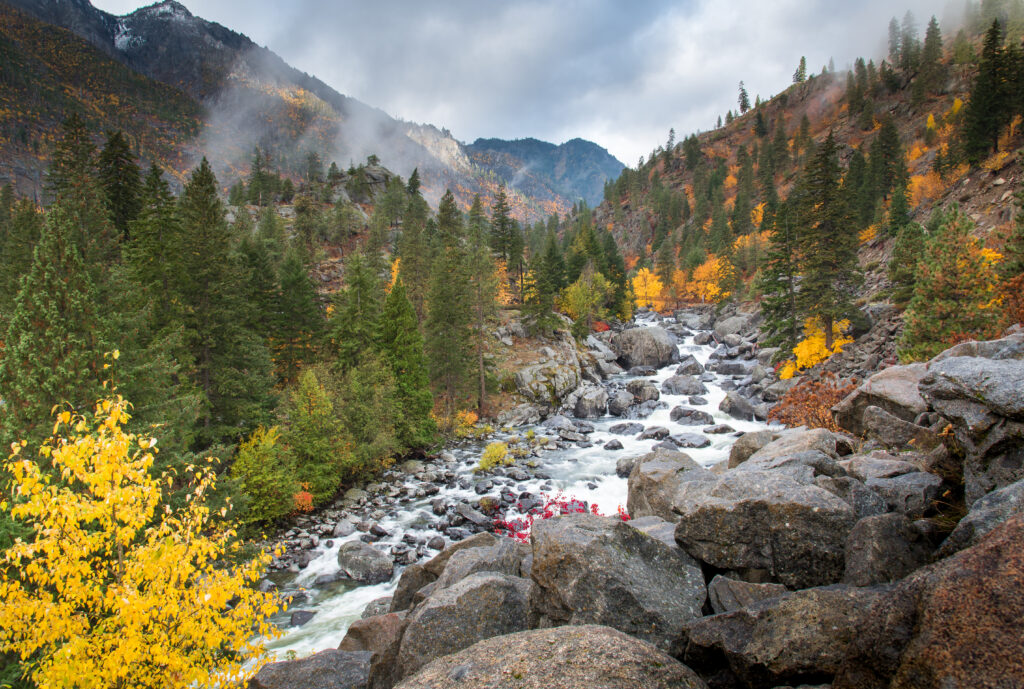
(482, 294)
(414, 250)
(299, 320)
(121, 181)
(402, 344)
(906, 253)
(988, 108)
(20, 238)
(501, 226)
(778, 280)
(355, 325)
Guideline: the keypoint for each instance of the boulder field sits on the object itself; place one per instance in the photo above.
(888, 555)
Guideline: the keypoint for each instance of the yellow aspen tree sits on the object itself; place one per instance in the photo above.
(647, 288)
(114, 588)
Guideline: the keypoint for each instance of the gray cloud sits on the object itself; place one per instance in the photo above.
(617, 73)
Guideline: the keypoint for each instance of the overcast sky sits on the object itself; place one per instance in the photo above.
(615, 72)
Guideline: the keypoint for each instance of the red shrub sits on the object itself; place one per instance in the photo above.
(520, 527)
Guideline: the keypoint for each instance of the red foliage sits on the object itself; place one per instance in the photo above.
(810, 403)
(600, 327)
(519, 528)
(303, 500)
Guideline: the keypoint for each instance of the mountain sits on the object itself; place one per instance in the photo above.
(249, 97)
(577, 169)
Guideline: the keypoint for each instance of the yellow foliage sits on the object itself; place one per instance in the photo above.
(954, 108)
(757, 214)
(927, 186)
(495, 454)
(811, 350)
(115, 589)
(705, 285)
(647, 288)
(868, 234)
(916, 151)
(396, 266)
(930, 123)
(996, 161)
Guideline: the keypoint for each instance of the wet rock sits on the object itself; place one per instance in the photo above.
(912, 494)
(953, 624)
(643, 390)
(689, 366)
(689, 440)
(415, 577)
(343, 529)
(599, 570)
(654, 433)
(619, 402)
(381, 635)
(329, 669)
(549, 382)
(656, 478)
(645, 347)
(378, 606)
(737, 407)
(473, 516)
(364, 563)
(985, 514)
(747, 444)
(733, 368)
(684, 416)
(300, 617)
(696, 400)
(703, 339)
(642, 371)
(718, 429)
(588, 656)
(765, 520)
(478, 607)
(525, 414)
(592, 403)
(642, 411)
(882, 549)
(624, 466)
(894, 389)
(797, 637)
(612, 445)
(727, 595)
(683, 385)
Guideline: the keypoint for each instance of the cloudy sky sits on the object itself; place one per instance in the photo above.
(618, 73)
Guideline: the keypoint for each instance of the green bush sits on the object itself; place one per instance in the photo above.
(268, 483)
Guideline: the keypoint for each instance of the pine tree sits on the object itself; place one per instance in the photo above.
(906, 253)
(156, 243)
(54, 345)
(413, 185)
(270, 232)
(403, 347)
(448, 332)
(501, 226)
(20, 238)
(318, 447)
(482, 293)
(988, 109)
(743, 99)
(887, 158)
(121, 180)
(299, 321)
(355, 325)
(828, 246)
(932, 74)
(800, 75)
(777, 282)
(955, 295)
(414, 250)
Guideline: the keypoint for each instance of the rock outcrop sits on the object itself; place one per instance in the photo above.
(655, 479)
(652, 346)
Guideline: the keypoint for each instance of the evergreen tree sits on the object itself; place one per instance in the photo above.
(777, 282)
(299, 321)
(237, 195)
(887, 164)
(501, 226)
(932, 74)
(743, 99)
(121, 181)
(414, 250)
(260, 183)
(760, 126)
(665, 262)
(988, 109)
(317, 445)
(403, 348)
(800, 75)
(21, 234)
(547, 277)
(828, 246)
(448, 333)
(270, 232)
(1012, 241)
(906, 252)
(413, 185)
(156, 243)
(355, 325)
(482, 292)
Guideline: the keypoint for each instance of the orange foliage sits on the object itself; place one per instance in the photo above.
(303, 500)
(648, 289)
(924, 187)
(810, 403)
(868, 234)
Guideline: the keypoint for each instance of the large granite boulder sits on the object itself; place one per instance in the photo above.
(655, 479)
(619, 402)
(801, 466)
(884, 548)
(478, 607)
(504, 557)
(549, 382)
(984, 401)
(876, 465)
(956, 623)
(726, 594)
(592, 403)
(643, 390)
(747, 444)
(912, 494)
(893, 389)
(985, 514)
(733, 325)
(652, 346)
(329, 669)
(599, 570)
(801, 636)
(587, 656)
(363, 563)
(683, 385)
(417, 576)
(796, 533)
(738, 407)
(791, 442)
(381, 635)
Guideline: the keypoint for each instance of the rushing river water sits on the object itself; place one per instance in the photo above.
(584, 473)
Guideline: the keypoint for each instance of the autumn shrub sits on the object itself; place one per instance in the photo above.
(267, 479)
(494, 455)
(519, 528)
(812, 350)
(1013, 299)
(810, 402)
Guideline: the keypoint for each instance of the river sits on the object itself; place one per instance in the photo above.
(583, 473)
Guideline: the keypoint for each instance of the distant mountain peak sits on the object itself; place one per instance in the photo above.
(167, 9)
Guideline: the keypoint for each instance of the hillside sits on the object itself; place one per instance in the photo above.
(251, 97)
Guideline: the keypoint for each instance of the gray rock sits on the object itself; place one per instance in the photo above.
(747, 444)
(737, 407)
(612, 445)
(689, 366)
(626, 428)
(727, 595)
(364, 563)
(894, 389)
(645, 347)
(643, 390)
(479, 607)
(473, 516)
(1009, 347)
(875, 465)
(864, 501)
(732, 326)
(689, 440)
(733, 368)
(549, 382)
(892, 431)
(777, 390)
(522, 415)
(786, 639)
(684, 416)
(624, 466)
(588, 656)
(504, 557)
(683, 385)
(559, 422)
(883, 549)
(418, 576)
(985, 514)
(984, 401)
(790, 442)
(378, 606)
(765, 520)
(329, 669)
(802, 466)
(381, 635)
(592, 403)
(656, 478)
(654, 433)
(300, 617)
(599, 570)
(343, 529)
(718, 429)
(912, 494)
(619, 402)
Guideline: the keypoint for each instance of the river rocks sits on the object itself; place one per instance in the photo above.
(737, 407)
(727, 595)
(364, 563)
(613, 445)
(985, 514)
(645, 347)
(480, 606)
(343, 529)
(956, 623)
(522, 415)
(619, 402)
(381, 635)
(984, 401)
(747, 444)
(683, 385)
(643, 390)
(689, 366)
(654, 433)
(893, 389)
(875, 465)
(548, 382)
(589, 656)
(793, 638)
(689, 440)
(765, 520)
(656, 478)
(503, 557)
(599, 570)
(684, 416)
(912, 494)
(894, 432)
(732, 326)
(592, 403)
(801, 466)
(624, 466)
(864, 501)
(631, 428)
(418, 576)
(883, 549)
(329, 669)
